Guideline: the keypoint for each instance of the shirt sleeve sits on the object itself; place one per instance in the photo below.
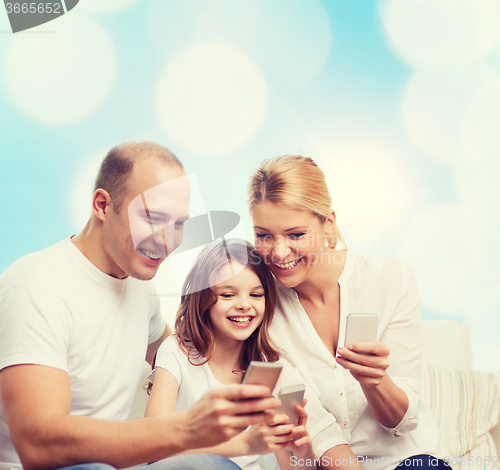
(168, 357)
(157, 323)
(35, 327)
(404, 336)
(323, 428)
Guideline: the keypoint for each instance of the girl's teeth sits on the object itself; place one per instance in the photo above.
(289, 265)
(240, 319)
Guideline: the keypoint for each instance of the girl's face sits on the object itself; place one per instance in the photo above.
(290, 241)
(240, 304)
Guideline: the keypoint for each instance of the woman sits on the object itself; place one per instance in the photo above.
(374, 398)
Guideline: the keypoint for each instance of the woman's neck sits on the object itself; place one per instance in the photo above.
(319, 286)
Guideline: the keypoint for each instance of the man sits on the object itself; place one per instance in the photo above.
(77, 320)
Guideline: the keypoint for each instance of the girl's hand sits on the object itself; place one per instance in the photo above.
(367, 361)
(268, 437)
(301, 443)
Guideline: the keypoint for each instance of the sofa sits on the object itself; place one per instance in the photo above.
(465, 402)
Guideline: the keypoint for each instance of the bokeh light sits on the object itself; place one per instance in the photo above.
(62, 76)
(441, 32)
(211, 99)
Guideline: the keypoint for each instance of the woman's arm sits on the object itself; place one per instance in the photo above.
(392, 387)
(367, 363)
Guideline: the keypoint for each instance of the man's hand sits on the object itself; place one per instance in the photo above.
(223, 412)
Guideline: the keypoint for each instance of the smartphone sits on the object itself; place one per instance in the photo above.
(263, 373)
(291, 396)
(361, 327)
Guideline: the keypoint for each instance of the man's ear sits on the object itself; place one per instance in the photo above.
(101, 204)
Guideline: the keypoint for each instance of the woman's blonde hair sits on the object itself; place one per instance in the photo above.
(295, 182)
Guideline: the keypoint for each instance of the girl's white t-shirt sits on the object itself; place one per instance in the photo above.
(195, 380)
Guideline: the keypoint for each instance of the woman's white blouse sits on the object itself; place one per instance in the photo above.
(387, 288)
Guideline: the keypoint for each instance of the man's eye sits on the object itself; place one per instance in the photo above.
(153, 220)
(179, 225)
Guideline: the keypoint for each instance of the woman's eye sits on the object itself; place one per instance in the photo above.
(263, 235)
(296, 235)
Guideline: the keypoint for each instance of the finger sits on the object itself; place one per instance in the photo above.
(279, 418)
(302, 441)
(370, 347)
(361, 369)
(281, 429)
(369, 360)
(252, 406)
(240, 392)
(243, 421)
(302, 416)
(304, 402)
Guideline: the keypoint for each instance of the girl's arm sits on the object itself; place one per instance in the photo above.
(163, 396)
(260, 439)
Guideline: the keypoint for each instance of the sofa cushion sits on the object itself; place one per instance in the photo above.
(466, 405)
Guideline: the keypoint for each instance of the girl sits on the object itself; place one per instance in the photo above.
(222, 324)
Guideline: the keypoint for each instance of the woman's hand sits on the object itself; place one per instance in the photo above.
(366, 361)
(301, 443)
(268, 437)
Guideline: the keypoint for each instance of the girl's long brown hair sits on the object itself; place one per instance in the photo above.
(193, 325)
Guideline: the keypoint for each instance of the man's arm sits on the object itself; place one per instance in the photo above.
(153, 347)
(37, 400)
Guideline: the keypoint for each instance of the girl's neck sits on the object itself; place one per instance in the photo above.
(319, 286)
(225, 359)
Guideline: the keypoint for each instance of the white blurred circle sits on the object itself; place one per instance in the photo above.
(369, 188)
(82, 190)
(450, 281)
(104, 6)
(212, 98)
(289, 39)
(480, 130)
(62, 76)
(441, 32)
(433, 105)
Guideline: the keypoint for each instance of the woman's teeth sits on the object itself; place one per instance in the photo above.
(150, 254)
(241, 319)
(288, 265)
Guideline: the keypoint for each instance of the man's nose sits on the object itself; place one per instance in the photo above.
(164, 238)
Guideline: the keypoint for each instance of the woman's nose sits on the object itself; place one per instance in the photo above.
(280, 249)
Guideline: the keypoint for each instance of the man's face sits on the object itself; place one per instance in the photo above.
(150, 223)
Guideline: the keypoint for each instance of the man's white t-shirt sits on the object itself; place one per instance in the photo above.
(57, 309)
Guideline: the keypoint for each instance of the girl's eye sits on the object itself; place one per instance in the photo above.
(257, 295)
(226, 296)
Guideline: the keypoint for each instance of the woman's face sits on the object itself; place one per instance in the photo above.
(290, 241)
